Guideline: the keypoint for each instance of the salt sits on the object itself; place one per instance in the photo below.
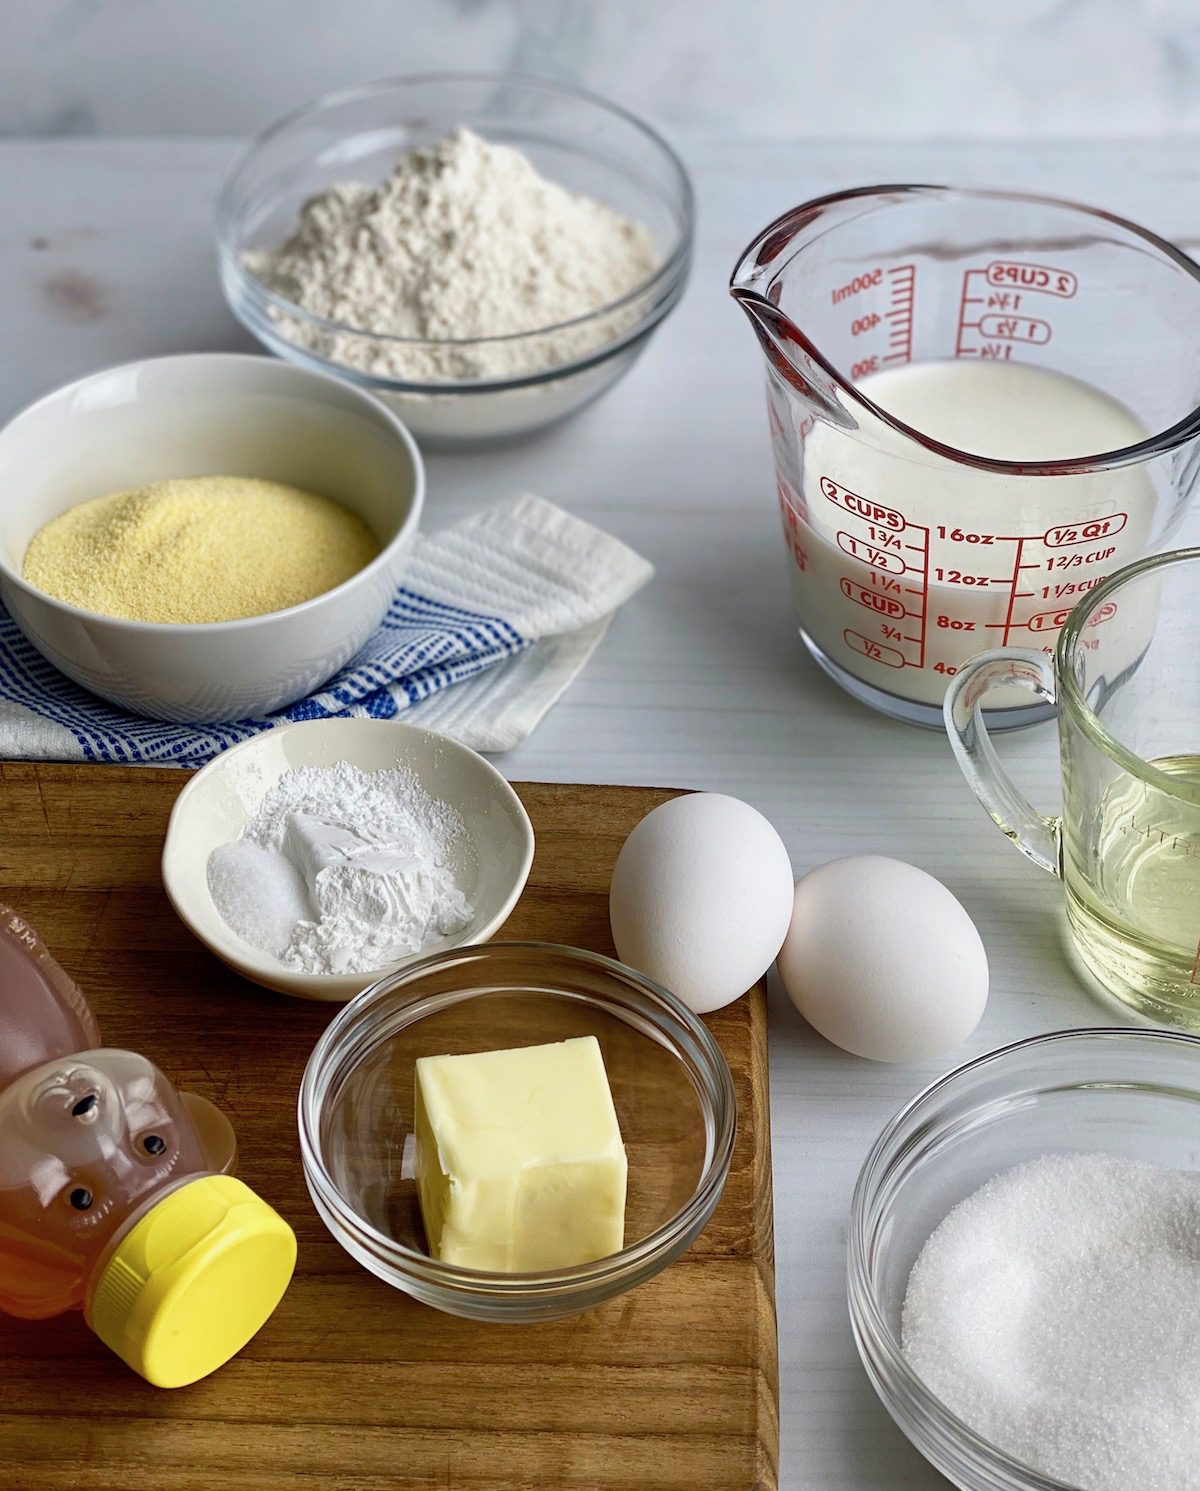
(1056, 1311)
(259, 893)
(344, 871)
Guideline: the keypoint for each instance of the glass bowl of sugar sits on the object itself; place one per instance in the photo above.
(1024, 1265)
(486, 253)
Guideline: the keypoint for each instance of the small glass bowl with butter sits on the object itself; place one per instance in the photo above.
(670, 1084)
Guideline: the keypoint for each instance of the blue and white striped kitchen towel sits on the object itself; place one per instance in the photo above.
(507, 606)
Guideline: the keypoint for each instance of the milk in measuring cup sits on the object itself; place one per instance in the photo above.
(904, 564)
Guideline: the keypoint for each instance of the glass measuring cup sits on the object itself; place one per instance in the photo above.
(908, 555)
(1126, 680)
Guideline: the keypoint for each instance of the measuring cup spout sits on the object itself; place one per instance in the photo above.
(789, 352)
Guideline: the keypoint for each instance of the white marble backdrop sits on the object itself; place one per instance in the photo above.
(818, 68)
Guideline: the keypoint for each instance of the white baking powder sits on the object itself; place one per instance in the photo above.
(1057, 1312)
(464, 240)
(343, 871)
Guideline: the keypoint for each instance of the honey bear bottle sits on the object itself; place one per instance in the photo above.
(115, 1191)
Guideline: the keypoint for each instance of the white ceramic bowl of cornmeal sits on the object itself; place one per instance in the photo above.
(207, 414)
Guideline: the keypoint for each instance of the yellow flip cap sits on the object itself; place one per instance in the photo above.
(192, 1280)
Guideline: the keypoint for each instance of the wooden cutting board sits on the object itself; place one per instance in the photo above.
(351, 1386)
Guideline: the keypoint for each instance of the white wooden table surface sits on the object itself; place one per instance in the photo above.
(106, 254)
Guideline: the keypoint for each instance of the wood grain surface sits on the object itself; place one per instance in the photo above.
(351, 1386)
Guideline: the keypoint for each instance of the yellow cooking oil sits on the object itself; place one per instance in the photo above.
(1131, 862)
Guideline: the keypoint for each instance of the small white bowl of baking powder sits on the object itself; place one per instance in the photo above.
(317, 857)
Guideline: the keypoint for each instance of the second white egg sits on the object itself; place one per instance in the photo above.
(883, 960)
(701, 898)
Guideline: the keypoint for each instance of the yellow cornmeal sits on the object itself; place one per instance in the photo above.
(203, 548)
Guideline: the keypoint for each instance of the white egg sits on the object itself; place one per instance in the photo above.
(701, 898)
(883, 960)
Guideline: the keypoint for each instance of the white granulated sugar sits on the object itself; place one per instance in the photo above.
(1057, 1312)
(464, 240)
(342, 871)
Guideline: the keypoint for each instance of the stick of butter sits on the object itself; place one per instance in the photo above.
(520, 1165)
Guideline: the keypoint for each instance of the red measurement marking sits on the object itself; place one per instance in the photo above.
(791, 525)
(1075, 561)
(885, 605)
(1014, 329)
(989, 319)
(872, 554)
(1012, 592)
(876, 651)
(959, 349)
(903, 278)
(869, 280)
(1064, 535)
(1012, 274)
(924, 598)
(1069, 587)
(1047, 621)
(862, 507)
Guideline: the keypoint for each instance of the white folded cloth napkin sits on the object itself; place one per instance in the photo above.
(496, 616)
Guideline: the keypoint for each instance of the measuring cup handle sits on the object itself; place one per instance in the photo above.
(1034, 834)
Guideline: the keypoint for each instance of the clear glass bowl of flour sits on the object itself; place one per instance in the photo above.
(1131, 1094)
(476, 390)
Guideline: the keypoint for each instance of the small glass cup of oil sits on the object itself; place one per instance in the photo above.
(1125, 676)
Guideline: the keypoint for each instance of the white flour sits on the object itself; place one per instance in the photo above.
(342, 871)
(464, 240)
